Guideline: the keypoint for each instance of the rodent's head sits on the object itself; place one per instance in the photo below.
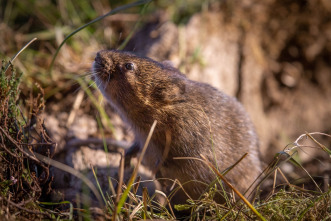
(134, 83)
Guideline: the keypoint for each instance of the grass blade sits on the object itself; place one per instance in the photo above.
(18, 53)
(112, 12)
(134, 174)
(234, 189)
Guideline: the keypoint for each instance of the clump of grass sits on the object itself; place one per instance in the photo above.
(295, 204)
(285, 201)
(23, 178)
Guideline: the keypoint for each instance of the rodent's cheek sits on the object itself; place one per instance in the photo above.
(107, 89)
(131, 78)
(98, 72)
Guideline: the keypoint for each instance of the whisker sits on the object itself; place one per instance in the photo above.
(98, 83)
(86, 74)
(93, 83)
(78, 89)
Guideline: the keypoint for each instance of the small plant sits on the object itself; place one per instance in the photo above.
(23, 178)
(8, 96)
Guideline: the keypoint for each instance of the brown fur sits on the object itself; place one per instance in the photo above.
(193, 118)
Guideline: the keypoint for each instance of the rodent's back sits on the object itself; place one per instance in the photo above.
(215, 125)
(193, 119)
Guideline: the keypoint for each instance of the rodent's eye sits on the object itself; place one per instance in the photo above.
(129, 66)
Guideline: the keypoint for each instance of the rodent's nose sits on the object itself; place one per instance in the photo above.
(101, 55)
(98, 56)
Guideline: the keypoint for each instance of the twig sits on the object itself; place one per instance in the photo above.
(75, 108)
(283, 175)
(18, 145)
(25, 209)
(8, 151)
(29, 154)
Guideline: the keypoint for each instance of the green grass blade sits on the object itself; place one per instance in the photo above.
(98, 185)
(143, 10)
(112, 12)
(18, 53)
(101, 110)
(134, 174)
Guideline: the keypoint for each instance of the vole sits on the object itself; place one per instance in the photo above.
(193, 118)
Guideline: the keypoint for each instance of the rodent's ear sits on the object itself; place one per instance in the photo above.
(175, 92)
(168, 63)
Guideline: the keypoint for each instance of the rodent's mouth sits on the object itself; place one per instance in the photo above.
(97, 69)
(101, 68)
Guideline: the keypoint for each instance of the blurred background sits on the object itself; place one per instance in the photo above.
(274, 56)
